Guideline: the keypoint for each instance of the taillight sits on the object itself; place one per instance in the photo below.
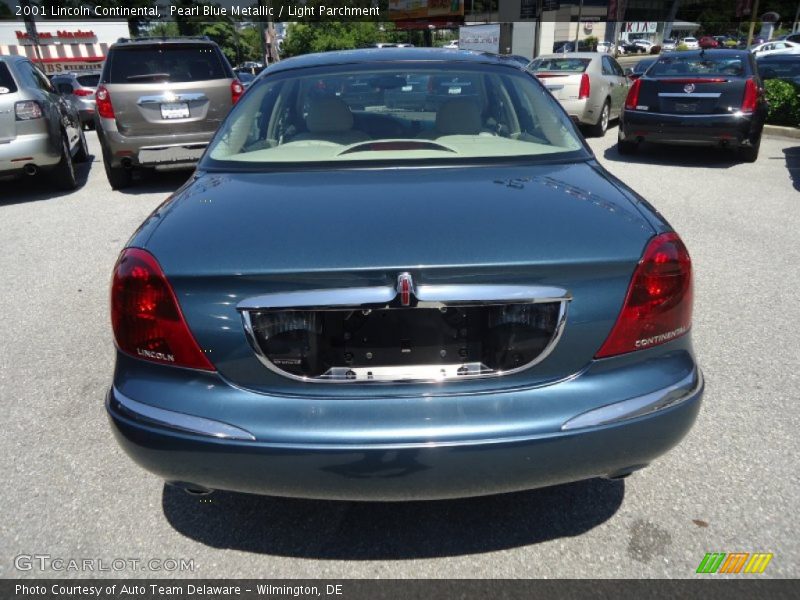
(237, 89)
(145, 315)
(82, 92)
(103, 101)
(27, 110)
(658, 305)
(750, 96)
(583, 91)
(632, 100)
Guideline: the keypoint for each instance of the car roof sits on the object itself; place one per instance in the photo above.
(386, 55)
(147, 41)
(12, 58)
(779, 57)
(572, 55)
(712, 51)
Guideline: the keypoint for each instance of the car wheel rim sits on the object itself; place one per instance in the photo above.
(604, 118)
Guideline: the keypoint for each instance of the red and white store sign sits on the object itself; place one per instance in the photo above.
(61, 36)
(61, 58)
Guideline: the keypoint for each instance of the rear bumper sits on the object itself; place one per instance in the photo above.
(733, 129)
(27, 149)
(151, 150)
(608, 440)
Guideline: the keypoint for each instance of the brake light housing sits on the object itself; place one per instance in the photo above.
(632, 99)
(585, 88)
(750, 99)
(82, 92)
(27, 110)
(237, 89)
(145, 315)
(658, 303)
(103, 102)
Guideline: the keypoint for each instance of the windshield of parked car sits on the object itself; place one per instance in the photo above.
(567, 65)
(89, 80)
(708, 63)
(165, 63)
(395, 113)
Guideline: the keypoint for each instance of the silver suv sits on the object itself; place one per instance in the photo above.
(40, 131)
(159, 102)
(79, 89)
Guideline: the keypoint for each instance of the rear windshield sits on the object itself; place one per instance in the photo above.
(7, 85)
(408, 111)
(705, 64)
(771, 69)
(89, 80)
(174, 63)
(567, 65)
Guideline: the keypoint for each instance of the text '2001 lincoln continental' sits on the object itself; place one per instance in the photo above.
(400, 274)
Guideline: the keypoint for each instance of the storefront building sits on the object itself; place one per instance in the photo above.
(63, 46)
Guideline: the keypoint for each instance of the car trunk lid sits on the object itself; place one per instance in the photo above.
(564, 231)
(692, 95)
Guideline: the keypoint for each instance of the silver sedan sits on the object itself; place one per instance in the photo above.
(591, 86)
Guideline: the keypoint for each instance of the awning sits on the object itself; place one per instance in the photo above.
(61, 58)
(685, 26)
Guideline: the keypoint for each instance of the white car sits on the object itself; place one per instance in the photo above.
(691, 43)
(669, 45)
(452, 45)
(646, 44)
(776, 47)
(605, 47)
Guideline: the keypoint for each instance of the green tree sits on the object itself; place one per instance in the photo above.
(303, 38)
(164, 29)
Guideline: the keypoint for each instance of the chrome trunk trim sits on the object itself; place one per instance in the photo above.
(427, 296)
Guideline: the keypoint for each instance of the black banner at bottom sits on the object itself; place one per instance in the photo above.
(377, 589)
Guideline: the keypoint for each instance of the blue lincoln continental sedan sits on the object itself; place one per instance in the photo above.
(396, 275)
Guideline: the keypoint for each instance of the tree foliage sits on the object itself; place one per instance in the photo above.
(784, 106)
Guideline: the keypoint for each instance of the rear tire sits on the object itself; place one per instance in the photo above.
(118, 177)
(750, 153)
(64, 173)
(82, 155)
(599, 129)
(625, 146)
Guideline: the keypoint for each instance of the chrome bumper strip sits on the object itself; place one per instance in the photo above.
(175, 420)
(428, 296)
(641, 405)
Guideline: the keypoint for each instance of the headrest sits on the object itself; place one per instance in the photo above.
(459, 116)
(329, 115)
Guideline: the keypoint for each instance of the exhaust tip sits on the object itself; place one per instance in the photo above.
(127, 163)
(30, 169)
(624, 473)
(192, 489)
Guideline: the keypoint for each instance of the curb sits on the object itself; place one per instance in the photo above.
(779, 131)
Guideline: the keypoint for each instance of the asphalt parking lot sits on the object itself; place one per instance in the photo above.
(732, 485)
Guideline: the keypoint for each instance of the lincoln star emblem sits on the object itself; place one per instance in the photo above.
(688, 88)
(405, 287)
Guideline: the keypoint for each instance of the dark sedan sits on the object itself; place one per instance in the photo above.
(785, 67)
(376, 303)
(639, 68)
(707, 98)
